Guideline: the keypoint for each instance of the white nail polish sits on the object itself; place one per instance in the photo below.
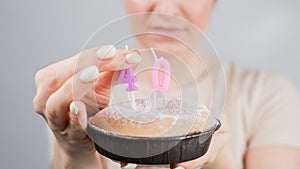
(130, 166)
(73, 108)
(106, 52)
(179, 167)
(133, 58)
(89, 74)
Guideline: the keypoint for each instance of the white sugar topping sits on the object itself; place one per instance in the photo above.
(173, 108)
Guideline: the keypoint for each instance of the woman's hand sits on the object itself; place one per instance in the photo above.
(219, 139)
(62, 93)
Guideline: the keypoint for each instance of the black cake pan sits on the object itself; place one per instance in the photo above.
(151, 150)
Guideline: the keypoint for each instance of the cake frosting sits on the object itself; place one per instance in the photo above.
(173, 118)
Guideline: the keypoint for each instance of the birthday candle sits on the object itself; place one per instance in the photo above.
(127, 76)
(163, 65)
(159, 64)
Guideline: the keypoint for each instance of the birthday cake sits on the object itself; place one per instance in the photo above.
(174, 118)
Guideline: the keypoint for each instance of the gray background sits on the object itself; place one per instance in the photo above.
(35, 33)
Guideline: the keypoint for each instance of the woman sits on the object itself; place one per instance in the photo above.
(259, 121)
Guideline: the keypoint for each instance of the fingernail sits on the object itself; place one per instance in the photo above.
(89, 74)
(73, 108)
(130, 166)
(179, 167)
(133, 58)
(106, 52)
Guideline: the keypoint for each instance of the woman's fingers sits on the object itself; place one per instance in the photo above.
(75, 108)
(78, 120)
(48, 80)
(122, 60)
(128, 165)
(73, 89)
(52, 77)
(106, 58)
(219, 139)
(194, 164)
(76, 88)
(73, 138)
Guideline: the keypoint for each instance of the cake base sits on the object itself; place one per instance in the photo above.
(151, 150)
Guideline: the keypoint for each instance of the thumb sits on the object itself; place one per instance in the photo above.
(78, 114)
(177, 167)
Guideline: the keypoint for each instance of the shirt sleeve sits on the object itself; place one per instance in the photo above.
(276, 119)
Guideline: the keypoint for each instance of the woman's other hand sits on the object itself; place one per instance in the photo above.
(219, 140)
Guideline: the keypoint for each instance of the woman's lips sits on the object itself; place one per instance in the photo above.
(169, 31)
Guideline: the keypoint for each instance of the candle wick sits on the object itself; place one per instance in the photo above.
(131, 94)
(153, 53)
(154, 94)
(154, 101)
(133, 101)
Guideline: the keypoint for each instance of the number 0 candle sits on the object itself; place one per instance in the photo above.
(161, 65)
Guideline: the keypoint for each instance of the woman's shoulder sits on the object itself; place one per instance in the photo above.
(267, 102)
(255, 79)
(260, 91)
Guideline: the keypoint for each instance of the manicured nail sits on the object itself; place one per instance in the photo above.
(89, 74)
(130, 166)
(73, 108)
(179, 167)
(106, 52)
(133, 58)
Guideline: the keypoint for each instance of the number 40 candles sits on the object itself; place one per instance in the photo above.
(160, 65)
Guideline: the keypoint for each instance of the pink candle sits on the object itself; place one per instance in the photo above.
(126, 76)
(161, 65)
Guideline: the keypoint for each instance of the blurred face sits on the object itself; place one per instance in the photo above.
(170, 17)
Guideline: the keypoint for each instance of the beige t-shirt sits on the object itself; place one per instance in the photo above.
(260, 109)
